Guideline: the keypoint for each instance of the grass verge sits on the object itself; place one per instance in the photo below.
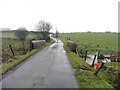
(86, 78)
(18, 59)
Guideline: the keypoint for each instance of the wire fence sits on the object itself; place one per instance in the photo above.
(98, 55)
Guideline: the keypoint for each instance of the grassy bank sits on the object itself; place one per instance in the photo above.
(4, 67)
(86, 78)
(108, 75)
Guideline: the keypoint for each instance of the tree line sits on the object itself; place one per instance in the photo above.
(42, 26)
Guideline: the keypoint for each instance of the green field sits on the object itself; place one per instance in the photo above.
(9, 38)
(11, 35)
(94, 41)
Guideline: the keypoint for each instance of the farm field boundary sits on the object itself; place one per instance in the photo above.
(94, 41)
(5, 67)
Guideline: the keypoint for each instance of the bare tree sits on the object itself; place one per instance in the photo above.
(44, 28)
(21, 33)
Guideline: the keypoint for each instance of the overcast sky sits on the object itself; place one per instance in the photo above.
(65, 15)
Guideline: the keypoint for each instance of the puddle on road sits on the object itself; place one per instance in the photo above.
(64, 51)
(55, 46)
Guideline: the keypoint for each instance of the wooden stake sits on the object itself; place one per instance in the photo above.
(93, 60)
(111, 53)
(98, 54)
(11, 50)
(31, 45)
(86, 54)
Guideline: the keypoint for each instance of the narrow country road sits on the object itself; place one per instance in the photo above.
(49, 68)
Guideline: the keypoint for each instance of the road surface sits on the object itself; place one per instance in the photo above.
(49, 68)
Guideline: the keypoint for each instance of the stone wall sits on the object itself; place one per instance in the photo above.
(36, 43)
(71, 45)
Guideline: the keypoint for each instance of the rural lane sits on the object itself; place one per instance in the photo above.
(49, 68)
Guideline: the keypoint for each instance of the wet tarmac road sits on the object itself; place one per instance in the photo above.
(49, 68)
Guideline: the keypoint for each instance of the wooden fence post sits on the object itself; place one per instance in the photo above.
(31, 45)
(93, 60)
(86, 54)
(111, 53)
(98, 54)
(77, 51)
(96, 72)
(11, 50)
(81, 53)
